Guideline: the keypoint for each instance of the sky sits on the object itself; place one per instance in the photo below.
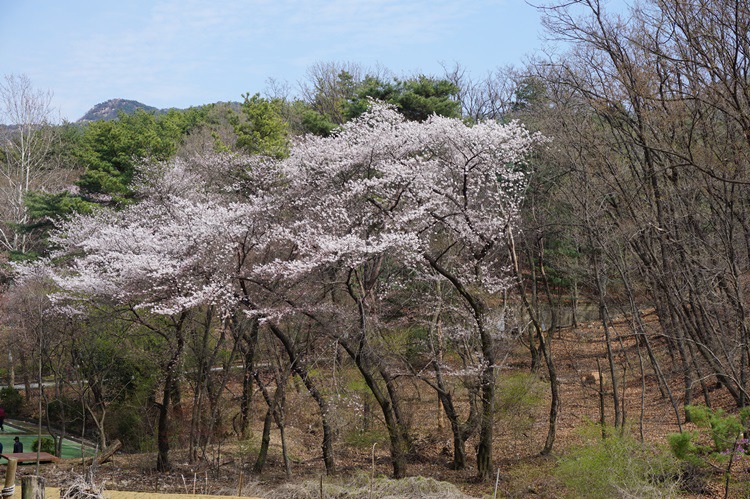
(182, 53)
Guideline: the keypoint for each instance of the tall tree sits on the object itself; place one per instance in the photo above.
(262, 129)
(416, 98)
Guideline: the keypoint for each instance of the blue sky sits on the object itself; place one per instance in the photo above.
(178, 53)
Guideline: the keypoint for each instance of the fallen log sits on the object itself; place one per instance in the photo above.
(104, 455)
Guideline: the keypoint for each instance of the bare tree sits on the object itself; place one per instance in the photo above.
(25, 148)
(651, 113)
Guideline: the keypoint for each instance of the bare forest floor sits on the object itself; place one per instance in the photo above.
(521, 430)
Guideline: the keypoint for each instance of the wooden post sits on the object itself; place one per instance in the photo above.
(10, 477)
(32, 487)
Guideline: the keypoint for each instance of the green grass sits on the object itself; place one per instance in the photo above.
(12, 429)
(28, 435)
(70, 449)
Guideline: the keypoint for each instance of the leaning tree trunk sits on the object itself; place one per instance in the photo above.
(532, 309)
(265, 440)
(274, 413)
(398, 444)
(368, 365)
(461, 432)
(487, 374)
(299, 368)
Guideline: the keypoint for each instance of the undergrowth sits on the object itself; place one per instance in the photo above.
(360, 486)
(617, 466)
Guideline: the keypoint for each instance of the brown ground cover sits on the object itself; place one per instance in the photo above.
(520, 434)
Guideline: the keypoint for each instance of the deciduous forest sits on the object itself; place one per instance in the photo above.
(526, 283)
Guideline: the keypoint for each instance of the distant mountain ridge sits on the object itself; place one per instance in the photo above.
(109, 110)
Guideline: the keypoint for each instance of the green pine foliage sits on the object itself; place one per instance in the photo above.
(317, 123)
(261, 128)
(110, 151)
(416, 98)
(721, 429)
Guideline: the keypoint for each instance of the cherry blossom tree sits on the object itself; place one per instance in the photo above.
(161, 260)
(180, 250)
(327, 235)
(436, 195)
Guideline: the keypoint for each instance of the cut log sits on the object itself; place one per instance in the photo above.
(32, 487)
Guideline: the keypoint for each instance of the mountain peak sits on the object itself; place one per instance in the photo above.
(109, 110)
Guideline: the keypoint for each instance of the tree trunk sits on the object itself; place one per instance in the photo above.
(544, 341)
(265, 440)
(485, 469)
(251, 340)
(398, 446)
(163, 426)
(11, 370)
(461, 432)
(25, 373)
(162, 459)
(271, 414)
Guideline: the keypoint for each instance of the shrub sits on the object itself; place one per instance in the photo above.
(683, 445)
(617, 466)
(724, 431)
(125, 422)
(48, 445)
(517, 398)
(11, 400)
(724, 427)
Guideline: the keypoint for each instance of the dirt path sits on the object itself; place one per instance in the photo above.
(116, 494)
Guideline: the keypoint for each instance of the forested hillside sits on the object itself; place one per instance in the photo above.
(572, 233)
